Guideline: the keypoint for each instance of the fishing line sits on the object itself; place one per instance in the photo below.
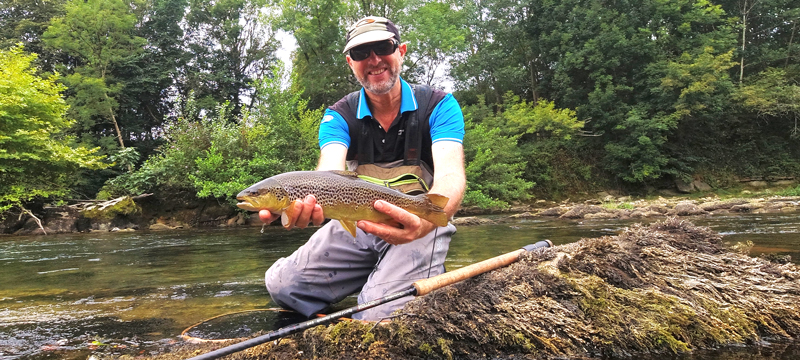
(433, 250)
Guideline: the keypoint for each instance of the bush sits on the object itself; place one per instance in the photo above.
(218, 157)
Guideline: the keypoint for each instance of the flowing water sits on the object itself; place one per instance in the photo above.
(69, 296)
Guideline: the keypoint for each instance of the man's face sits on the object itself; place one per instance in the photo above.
(378, 74)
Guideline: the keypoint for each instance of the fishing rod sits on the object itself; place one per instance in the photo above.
(418, 288)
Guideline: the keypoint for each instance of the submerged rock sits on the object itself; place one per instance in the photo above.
(669, 287)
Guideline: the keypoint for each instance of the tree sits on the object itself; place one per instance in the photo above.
(99, 34)
(319, 28)
(37, 159)
(229, 47)
(431, 41)
(25, 21)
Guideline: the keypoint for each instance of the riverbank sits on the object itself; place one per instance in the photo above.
(156, 212)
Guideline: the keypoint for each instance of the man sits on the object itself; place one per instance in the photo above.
(371, 131)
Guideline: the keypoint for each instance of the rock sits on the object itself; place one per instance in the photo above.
(525, 215)
(472, 220)
(580, 211)
(157, 227)
(603, 215)
(687, 209)
(727, 204)
(784, 183)
(683, 186)
(555, 211)
(660, 209)
(668, 192)
(757, 183)
(746, 208)
(701, 186)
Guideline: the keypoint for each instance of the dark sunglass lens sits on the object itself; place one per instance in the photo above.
(362, 52)
(384, 48)
(359, 53)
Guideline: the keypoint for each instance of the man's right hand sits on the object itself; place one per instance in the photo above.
(307, 211)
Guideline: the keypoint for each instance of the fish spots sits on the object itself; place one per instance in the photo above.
(327, 254)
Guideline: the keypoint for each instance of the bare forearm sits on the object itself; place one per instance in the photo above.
(452, 186)
(449, 177)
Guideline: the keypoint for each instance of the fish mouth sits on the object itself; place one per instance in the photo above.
(245, 205)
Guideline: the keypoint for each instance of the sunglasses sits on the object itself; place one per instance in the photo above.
(382, 48)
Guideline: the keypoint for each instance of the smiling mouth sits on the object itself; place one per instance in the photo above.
(377, 72)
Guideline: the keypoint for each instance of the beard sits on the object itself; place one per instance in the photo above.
(382, 87)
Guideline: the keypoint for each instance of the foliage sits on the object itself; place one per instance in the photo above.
(37, 160)
(228, 48)
(541, 118)
(217, 157)
(99, 35)
(494, 163)
(774, 96)
(318, 27)
(431, 41)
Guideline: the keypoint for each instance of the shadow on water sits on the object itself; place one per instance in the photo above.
(68, 296)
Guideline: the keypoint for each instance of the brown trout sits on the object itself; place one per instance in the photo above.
(341, 194)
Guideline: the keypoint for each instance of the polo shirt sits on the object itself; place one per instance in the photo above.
(446, 121)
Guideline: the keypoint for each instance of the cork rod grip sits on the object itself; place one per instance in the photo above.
(425, 286)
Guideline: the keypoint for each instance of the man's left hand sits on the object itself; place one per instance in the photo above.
(413, 227)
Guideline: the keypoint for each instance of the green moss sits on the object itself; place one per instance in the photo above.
(444, 346)
(368, 338)
(124, 207)
(426, 349)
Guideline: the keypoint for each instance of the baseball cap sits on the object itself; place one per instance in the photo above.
(370, 29)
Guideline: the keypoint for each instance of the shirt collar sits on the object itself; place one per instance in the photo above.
(407, 102)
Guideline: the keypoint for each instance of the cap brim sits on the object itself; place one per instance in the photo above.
(368, 37)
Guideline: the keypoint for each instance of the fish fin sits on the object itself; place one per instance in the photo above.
(285, 220)
(345, 173)
(350, 226)
(438, 200)
(439, 218)
(288, 216)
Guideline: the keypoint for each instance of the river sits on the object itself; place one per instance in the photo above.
(69, 296)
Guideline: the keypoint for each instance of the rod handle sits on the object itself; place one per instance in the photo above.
(425, 286)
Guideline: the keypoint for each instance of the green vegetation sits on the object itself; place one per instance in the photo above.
(37, 159)
(559, 99)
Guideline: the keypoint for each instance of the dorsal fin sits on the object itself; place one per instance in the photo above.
(345, 173)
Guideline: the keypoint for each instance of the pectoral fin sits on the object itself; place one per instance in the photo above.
(350, 226)
(288, 217)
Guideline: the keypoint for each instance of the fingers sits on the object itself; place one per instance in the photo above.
(308, 211)
(267, 217)
(305, 211)
(412, 226)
